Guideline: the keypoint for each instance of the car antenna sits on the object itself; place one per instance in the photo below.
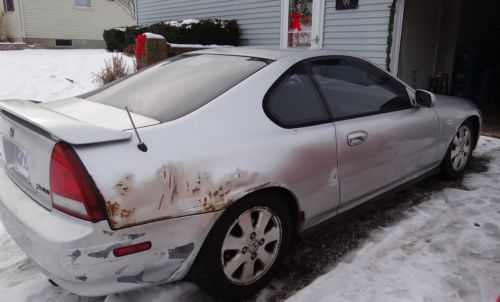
(142, 146)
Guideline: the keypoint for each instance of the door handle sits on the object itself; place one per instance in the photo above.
(356, 138)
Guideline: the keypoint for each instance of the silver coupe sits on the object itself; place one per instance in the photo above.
(207, 165)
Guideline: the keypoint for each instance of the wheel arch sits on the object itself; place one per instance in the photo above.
(291, 200)
(476, 123)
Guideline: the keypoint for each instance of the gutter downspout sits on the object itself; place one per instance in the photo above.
(136, 13)
(21, 20)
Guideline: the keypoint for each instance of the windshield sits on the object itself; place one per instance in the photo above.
(178, 86)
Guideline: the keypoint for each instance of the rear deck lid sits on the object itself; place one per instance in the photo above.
(28, 134)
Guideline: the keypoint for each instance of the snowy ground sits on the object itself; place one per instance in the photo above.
(47, 74)
(436, 241)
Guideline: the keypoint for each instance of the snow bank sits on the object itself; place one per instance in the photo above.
(45, 74)
(448, 249)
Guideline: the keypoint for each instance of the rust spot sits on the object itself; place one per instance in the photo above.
(123, 186)
(112, 208)
(258, 187)
(114, 211)
(126, 213)
(196, 189)
(161, 201)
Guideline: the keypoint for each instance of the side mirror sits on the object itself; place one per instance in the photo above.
(425, 98)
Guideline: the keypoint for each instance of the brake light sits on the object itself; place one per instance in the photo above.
(72, 190)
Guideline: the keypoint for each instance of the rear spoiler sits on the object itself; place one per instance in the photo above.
(59, 126)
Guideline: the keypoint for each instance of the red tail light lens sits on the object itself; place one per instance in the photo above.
(72, 190)
(132, 249)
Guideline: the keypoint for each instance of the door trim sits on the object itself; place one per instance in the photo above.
(317, 26)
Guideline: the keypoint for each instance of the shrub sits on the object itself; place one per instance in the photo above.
(206, 32)
(114, 69)
(115, 39)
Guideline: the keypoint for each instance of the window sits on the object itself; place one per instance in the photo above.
(353, 88)
(8, 5)
(294, 101)
(82, 3)
(64, 43)
(178, 86)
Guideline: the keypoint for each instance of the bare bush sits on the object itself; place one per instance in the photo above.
(114, 69)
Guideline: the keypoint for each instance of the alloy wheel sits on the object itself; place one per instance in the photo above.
(251, 245)
(461, 147)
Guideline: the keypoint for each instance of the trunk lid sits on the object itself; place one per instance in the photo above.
(29, 131)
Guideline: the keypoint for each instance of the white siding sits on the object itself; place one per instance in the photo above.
(11, 24)
(59, 19)
(361, 31)
(259, 20)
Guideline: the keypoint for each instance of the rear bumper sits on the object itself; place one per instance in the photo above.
(78, 255)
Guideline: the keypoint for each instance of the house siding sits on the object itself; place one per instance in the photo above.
(59, 19)
(259, 20)
(11, 23)
(361, 31)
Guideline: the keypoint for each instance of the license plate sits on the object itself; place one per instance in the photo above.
(21, 163)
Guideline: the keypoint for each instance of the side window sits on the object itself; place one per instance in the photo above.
(294, 101)
(354, 88)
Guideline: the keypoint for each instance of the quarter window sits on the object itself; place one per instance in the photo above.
(294, 101)
(82, 3)
(8, 5)
(354, 88)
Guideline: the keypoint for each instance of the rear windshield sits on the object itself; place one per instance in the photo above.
(178, 86)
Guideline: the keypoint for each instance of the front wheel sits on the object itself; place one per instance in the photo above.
(244, 248)
(459, 152)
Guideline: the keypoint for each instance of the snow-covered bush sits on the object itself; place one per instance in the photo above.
(189, 31)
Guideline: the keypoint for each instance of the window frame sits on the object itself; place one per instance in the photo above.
(83, 7)
(319, 93)
(5, 6)
(325, 99)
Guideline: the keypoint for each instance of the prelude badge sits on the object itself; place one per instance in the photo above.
(11, 132)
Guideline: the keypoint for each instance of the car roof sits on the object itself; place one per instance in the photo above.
(266, 53)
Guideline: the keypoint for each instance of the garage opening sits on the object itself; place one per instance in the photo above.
(453, 47)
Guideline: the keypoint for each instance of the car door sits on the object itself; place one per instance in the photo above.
(383, 140)
(306, 142)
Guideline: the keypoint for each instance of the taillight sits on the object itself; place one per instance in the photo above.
(72, 190)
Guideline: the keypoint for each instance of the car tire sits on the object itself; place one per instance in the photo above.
(459, 152)
(242, 251)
